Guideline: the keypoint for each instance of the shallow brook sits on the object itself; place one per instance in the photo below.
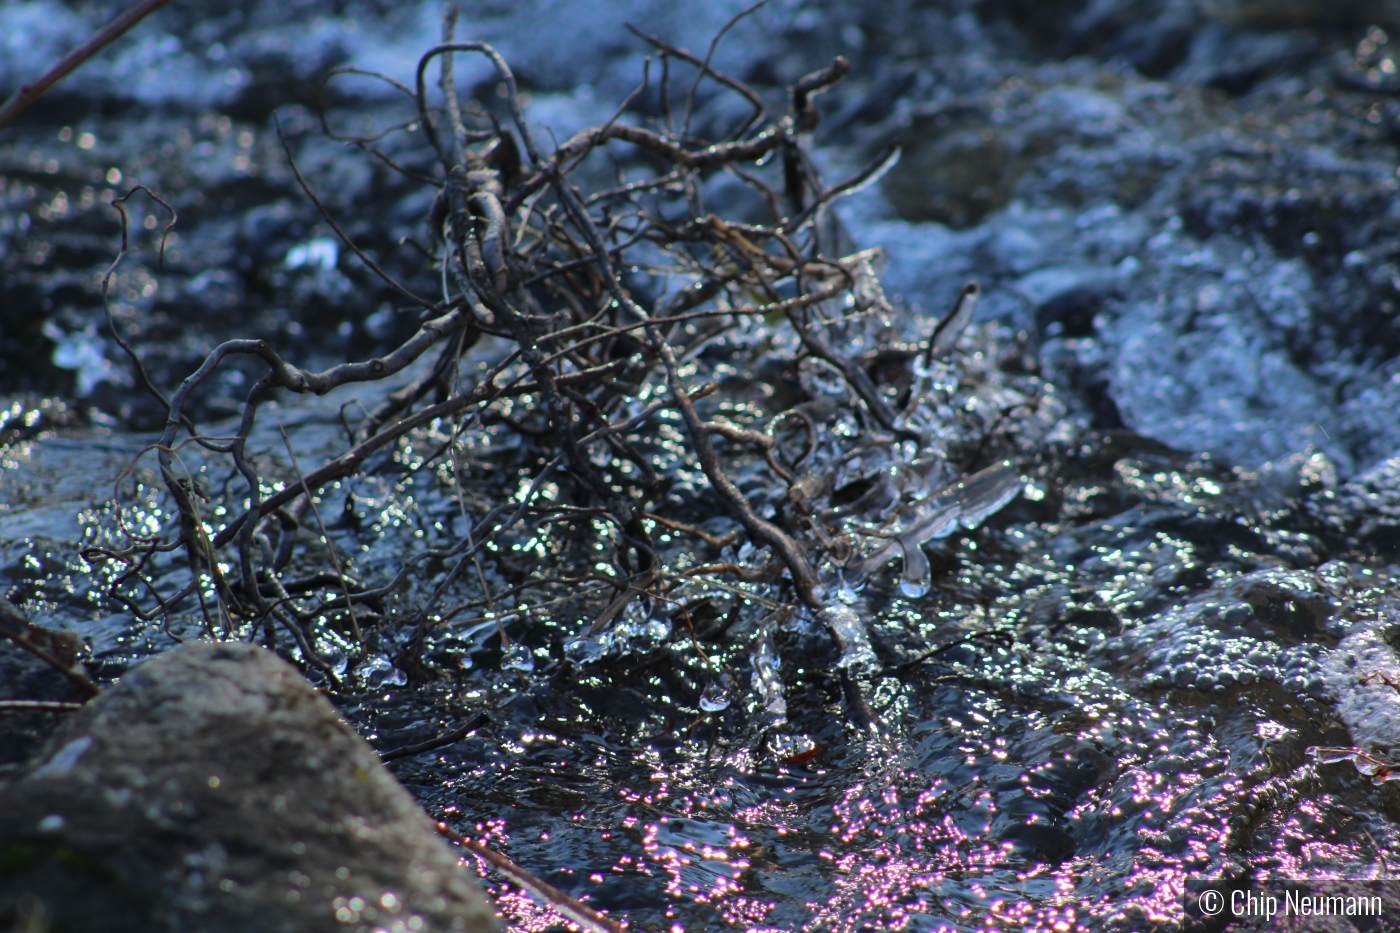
(1136, 655)
(1074, 645)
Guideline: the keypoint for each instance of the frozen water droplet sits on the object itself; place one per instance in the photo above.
(847, 593)
(915, 580)
(910, 590)
(377, 672)
(584, 649)
(716, 695)
(518, 658)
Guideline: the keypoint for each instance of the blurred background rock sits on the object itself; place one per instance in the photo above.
(1187, 205)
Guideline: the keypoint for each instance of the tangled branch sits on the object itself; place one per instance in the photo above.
(610, 327)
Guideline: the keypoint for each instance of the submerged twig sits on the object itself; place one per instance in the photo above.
(572, 909)
(41, 706)
(18, 629)
(441, 741)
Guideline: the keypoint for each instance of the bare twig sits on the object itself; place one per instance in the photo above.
(570, 908)
(345, 237)
(604, 307)
(447, 738)
(29, 93)
(330, 545)
(719, 541)
(41, 706)
(759, 109)
(18, 629)
(705, 65)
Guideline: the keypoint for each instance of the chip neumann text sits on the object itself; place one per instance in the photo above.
(1302, 904)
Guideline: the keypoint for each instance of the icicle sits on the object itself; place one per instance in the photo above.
(932, 518)
(767, 679)
(987, 492)
(914, 582)
(856, 652)
(967, 504)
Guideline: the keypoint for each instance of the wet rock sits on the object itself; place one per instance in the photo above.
(1303, 11)
(1152, 43)
(1230, 44)
(963, 161)
(1366, 508)
(1047, 844)
(1152, 34)
(1215, 275)
(1357, 673)
(1235, 60)
(213, 789)
(957, 168)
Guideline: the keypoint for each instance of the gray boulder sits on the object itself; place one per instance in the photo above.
(214, 789)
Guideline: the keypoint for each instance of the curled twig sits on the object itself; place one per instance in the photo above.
(604, 309)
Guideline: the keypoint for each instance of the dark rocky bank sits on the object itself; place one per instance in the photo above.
(213, 789)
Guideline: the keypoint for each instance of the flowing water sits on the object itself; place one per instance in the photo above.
(1085, 696)
(1137, 654)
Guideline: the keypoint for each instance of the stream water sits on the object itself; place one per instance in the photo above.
(1139, 652)
(1186, 353)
